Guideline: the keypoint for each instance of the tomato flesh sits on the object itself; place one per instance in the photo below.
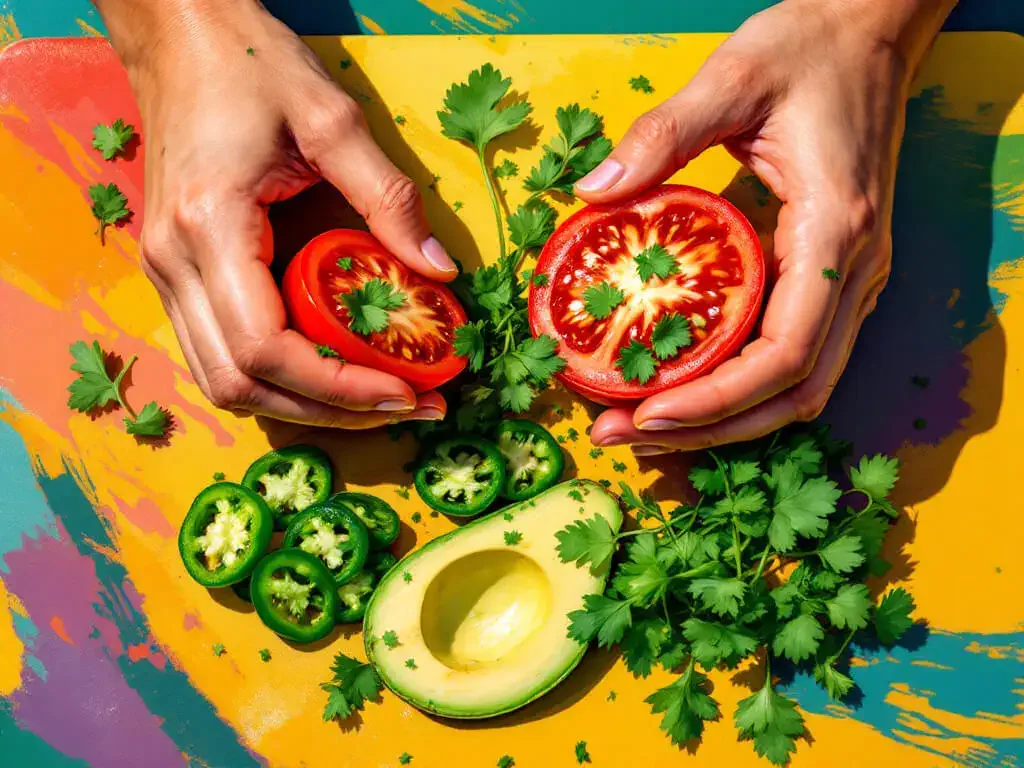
(416, 345)
(718, 287)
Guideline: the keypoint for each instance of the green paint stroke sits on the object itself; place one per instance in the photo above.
(23, 748)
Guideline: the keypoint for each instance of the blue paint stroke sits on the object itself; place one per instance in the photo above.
(965, 682)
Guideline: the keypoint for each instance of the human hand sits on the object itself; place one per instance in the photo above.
(238, 114)
(810, 96)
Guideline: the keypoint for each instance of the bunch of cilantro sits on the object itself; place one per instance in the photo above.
(510, 367)
(769, 562)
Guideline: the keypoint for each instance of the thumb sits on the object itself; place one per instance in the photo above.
(665, 139)
(337, 142)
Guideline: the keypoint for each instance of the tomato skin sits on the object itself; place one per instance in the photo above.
(313, 318)
(604, 383)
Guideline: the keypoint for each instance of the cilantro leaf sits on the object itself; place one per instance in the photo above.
(641, 83)
(800, 507)
(835, 682)
(540, 280)
(325, 351)
(111, 140)
(742, 472)
(601, 299)
(513, 537)
(876, 476)
(405, 758)
(532, 224)
(642, 645)
(707, 480)
(720, 596)
(636, 362)
(587, 541)
(772, 721)
(539, 356)
(469, 343)
(506, 170)
(368, 307)
(655, 260)
(582, 755)
(390, 639)
(892, 615)
(850, 607)
(353, 684)
(670, 334)
(798, 638)
(472, 114)
(545, 174)
(93, 388)
(602, 617)
(152, 421)
(506, 761)
(264, 654)
(577, 124)
(686, 706)
(109, 206)
(843, 554)
(831, 274)
(344, 263)
(711, 642)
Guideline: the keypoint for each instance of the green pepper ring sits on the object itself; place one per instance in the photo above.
(335, 515)
(312, 570)
(541, 435)
(491, 456)
(201, 513)
(319, 462)
(377, 565)
(385, 525)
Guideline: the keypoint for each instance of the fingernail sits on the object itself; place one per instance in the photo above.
(424, 414)
(394, 405)
(602, 177)
(650, 450)
(435, 253)
(655, 424)
(612, 440)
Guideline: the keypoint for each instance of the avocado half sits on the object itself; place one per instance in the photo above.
(484, 623)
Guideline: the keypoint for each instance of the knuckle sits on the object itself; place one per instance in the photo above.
(808, 404)
(157, 249)
(197, 209)
(861, 214)
(230, 389)
(398, 196)
(325, 123)
(657, 127)
(796, 361)
(736, 74)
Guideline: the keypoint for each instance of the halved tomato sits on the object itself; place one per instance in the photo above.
(416, 345)
(717, 285)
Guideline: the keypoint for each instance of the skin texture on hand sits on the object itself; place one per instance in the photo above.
(238, 114)
(810, 96)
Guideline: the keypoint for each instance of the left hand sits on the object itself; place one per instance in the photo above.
(813, 103)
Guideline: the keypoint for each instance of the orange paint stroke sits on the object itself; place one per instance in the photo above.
(138, 652)
(57, 625)
(372, 25)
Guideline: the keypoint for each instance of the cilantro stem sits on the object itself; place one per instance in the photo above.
(493, 192)
(117, 386)
(835, 656)
(735, 527)
(760, 565)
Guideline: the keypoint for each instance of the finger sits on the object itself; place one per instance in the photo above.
(663, 140)
(337, 142)
(170, 305)
(801, 403)
(798, 316)
(279, 404)
(248, 308)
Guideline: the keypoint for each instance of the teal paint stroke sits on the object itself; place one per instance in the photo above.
(23, 512)
(25, 748)
(58, 18)
(959, 681)
(75, 530)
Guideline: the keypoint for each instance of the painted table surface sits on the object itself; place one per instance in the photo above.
(56, 18)
(106, 646)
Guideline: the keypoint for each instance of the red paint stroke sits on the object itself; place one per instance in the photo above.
(146, 516)
(192, 621)
(57, 625)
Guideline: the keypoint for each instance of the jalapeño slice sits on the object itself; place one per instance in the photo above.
(290, 479)
(461, 476)
(295, 595)
(333, 533)
(354, 596)
(378, 516)
(225, 533)
(535, 460)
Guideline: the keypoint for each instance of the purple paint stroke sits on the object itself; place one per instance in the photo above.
(84, 708)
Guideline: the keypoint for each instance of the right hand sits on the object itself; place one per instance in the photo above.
(238, 114)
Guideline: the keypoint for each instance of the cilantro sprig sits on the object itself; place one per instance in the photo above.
(111, 140)
(94, 388)
(369, 306)
(705, 584)
(352, 684)
(109, 206)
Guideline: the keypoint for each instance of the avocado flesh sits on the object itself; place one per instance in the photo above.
(486, 623)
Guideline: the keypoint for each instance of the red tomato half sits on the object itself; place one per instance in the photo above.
(417, 344)
(718, 287)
